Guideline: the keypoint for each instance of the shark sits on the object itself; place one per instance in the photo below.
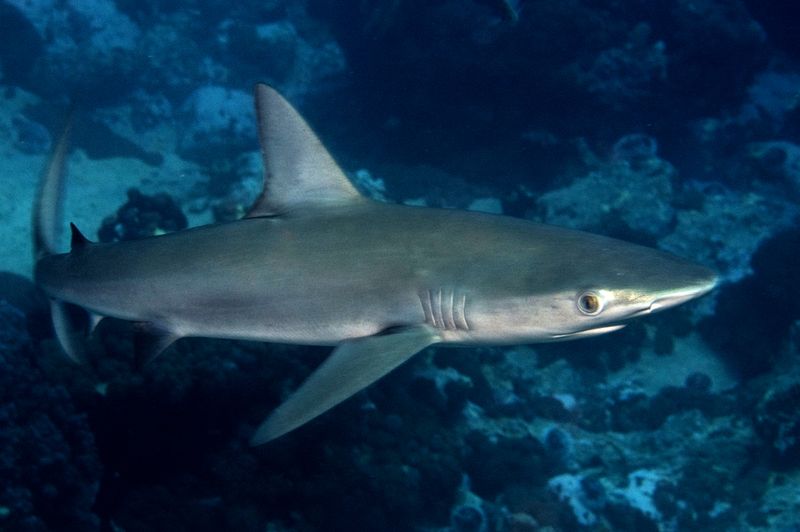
(316, 262)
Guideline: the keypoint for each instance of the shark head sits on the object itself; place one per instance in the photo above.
(613, 282)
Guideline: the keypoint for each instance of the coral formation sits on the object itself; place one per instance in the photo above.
(218, 122)
(49, 468)
(633, 193)
(142, 216)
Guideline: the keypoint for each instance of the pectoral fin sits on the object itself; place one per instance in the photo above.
(69, 324)
(73, 326)
(352, 366)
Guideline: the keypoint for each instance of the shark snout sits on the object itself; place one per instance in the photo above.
(703, 282)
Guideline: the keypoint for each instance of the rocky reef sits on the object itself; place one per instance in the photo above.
(671, 124)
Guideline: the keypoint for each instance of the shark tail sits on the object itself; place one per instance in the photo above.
(50, 197)
(70, 322)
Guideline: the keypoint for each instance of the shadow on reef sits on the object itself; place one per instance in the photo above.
(608, 66)
(175, 453)
(90, 134)
(751, 324)
(773, 16)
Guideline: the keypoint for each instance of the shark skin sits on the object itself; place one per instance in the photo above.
(314, 262)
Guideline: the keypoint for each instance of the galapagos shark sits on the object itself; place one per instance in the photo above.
(315, 262)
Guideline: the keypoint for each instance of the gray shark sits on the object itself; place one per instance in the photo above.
(315, 262)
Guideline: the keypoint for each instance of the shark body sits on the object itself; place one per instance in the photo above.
(315, 262)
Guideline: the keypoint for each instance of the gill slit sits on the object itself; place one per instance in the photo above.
(460, 313)
(444, 309)
(448, 312)
(437, 310)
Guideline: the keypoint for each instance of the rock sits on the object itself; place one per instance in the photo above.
(218, 123)
(777, 421)
(632, 193)
(777, 162)
(89, 52)
(497, 466)
(143, 216)
(468, 518)
(623, 75)
(727, 228)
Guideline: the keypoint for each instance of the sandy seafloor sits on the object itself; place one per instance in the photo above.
(670, 124)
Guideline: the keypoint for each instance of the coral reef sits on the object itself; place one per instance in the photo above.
(630, 195)
(727, 227)
(88, 50)
(673, 124)
(778, 422)
(49, 468)
(142, 216)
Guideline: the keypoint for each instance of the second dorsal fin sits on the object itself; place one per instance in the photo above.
(298, 170)
(77, 240)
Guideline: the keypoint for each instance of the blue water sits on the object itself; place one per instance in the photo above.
(670, 124)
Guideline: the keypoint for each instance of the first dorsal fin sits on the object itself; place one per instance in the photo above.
(298, 170)
(77, 240)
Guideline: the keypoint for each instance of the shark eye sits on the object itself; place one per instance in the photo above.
(590, 303)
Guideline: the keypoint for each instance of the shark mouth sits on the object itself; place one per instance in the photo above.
(588, 332)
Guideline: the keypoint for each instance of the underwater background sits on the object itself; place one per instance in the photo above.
(671, 123)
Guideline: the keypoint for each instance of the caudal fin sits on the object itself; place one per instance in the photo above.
(69, 321)
(49, 198)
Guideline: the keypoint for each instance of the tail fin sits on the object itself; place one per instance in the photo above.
(49, 198)
(69, 321)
